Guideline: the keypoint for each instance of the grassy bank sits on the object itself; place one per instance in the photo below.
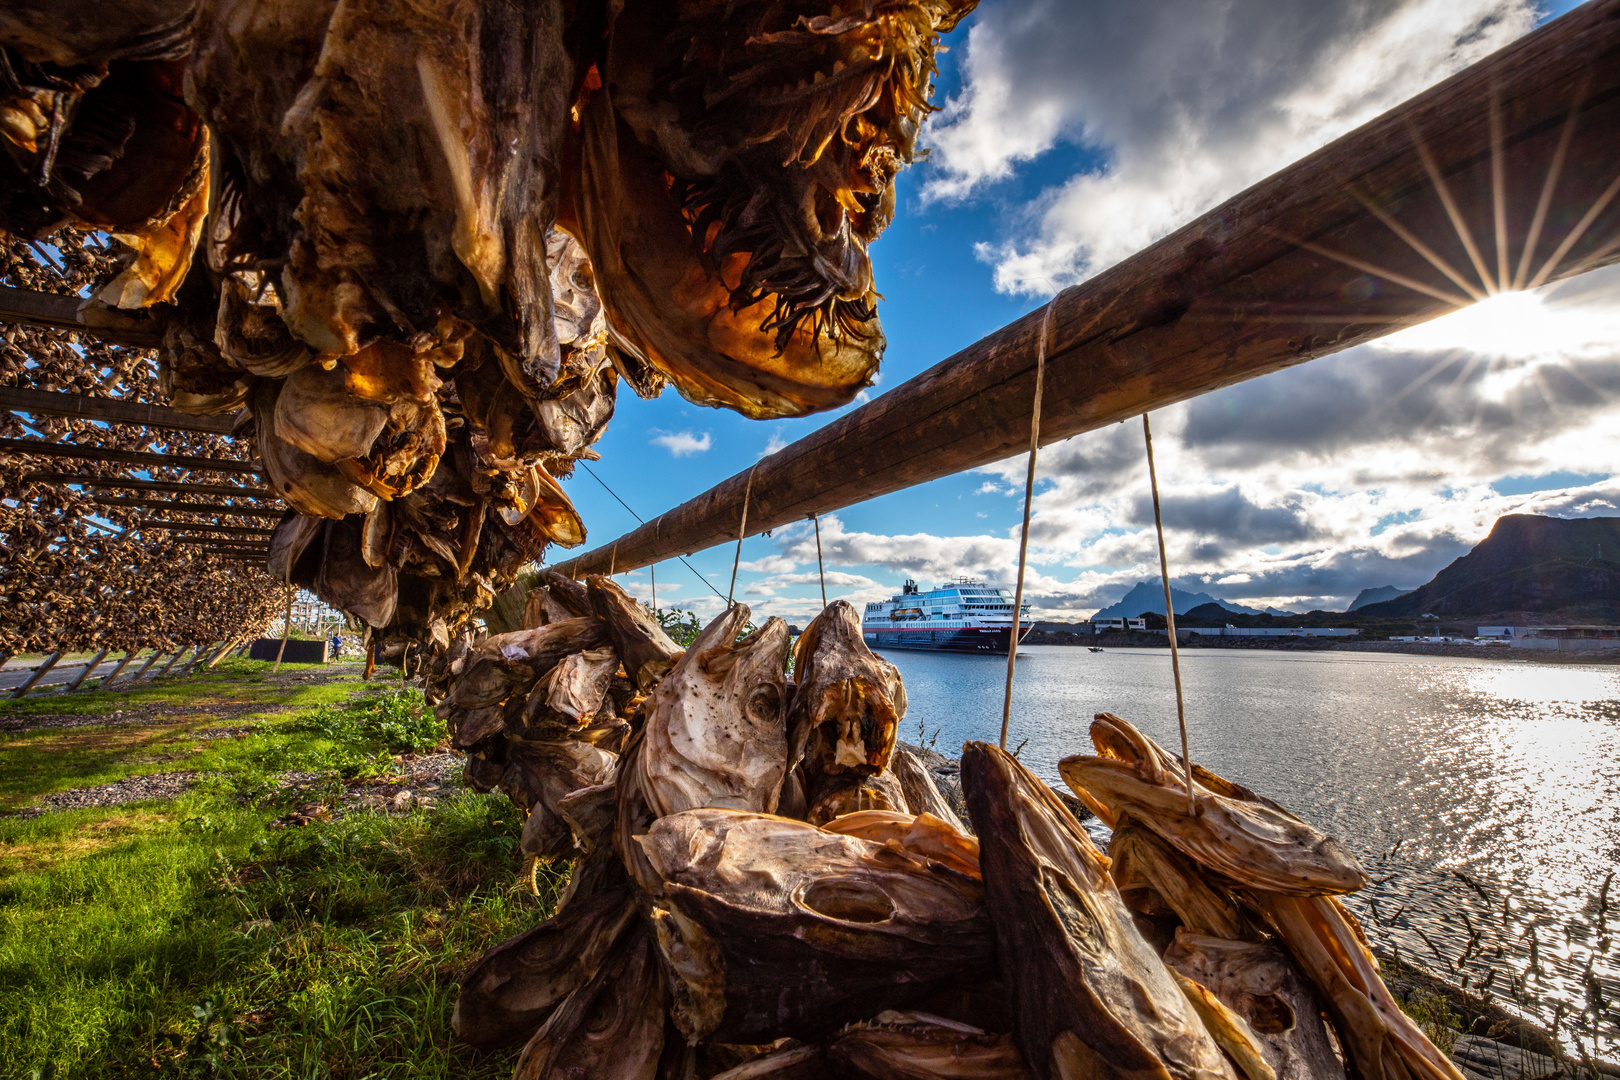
(204, 935)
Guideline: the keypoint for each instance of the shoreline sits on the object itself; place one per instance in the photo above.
(1315, 645)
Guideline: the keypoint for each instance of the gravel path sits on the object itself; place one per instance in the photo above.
(133, 789)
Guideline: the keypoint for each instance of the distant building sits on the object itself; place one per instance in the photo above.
(1101, 626)
(1277, 631)
(1566, 638)
(1496, 631)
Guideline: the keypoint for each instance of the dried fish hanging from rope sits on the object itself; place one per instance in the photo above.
(77, 574)
(348, 224)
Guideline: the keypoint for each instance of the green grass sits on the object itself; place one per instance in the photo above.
(192, 938)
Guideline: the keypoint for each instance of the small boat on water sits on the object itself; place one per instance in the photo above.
(964, 616)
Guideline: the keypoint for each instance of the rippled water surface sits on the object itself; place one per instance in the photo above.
(1483, 796)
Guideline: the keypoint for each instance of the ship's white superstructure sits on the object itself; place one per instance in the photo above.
(963, 616)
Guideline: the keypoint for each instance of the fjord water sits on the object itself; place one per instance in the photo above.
(1481, 795)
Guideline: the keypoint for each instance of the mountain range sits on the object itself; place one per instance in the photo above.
(1566, 568)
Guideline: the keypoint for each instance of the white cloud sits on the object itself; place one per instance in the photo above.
(777, 442)
(681, 443)
(1188, 103)
(1376, 466)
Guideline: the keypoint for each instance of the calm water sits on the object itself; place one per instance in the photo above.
(1483, 796)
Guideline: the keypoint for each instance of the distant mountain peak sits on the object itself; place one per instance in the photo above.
(1376, 596)
(1147, 596)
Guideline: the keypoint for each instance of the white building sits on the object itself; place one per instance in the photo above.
(1566, 638)
(1099, 626)
(1273, 631)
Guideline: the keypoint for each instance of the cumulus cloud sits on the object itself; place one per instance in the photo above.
(681, 443)
(1186, 102)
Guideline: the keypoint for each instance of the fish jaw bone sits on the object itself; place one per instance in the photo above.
(1090, 994)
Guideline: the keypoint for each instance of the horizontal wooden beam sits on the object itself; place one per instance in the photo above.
(57, 312)
(40, 448)
(111, 410)
(134, 484)
(268, 513)
(1393, 224)
(203, 527)
(221, 543)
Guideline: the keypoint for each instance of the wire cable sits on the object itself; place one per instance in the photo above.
(643, 521)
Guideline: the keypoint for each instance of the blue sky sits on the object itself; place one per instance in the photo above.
(1064, 145)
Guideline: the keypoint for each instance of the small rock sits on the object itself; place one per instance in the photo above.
(402, 801)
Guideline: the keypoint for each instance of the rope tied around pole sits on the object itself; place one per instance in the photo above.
(1169, 615)
(820, 568)
(1023, 536)
(742, 530)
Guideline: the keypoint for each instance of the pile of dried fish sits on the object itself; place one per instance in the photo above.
(420, 247)
(766, 887)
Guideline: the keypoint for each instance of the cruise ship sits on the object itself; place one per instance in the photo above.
(965, 616)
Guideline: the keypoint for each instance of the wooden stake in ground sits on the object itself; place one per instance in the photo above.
(39, 673)
(175, 659)
(122, 664)
(286, 630)
(157, 654)
(88, 668)
(223, 650)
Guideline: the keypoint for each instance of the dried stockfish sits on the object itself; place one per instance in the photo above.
(1090, 996)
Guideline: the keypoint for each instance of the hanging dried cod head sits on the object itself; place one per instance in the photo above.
(811, 927)
(714, 732)
(735, 165)
(1091, 997)
(1233, 831)
(849, 703)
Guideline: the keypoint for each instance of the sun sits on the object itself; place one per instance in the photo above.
(1523, 325)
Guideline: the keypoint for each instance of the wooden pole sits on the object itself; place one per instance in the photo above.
(157, 654)
(39, 673)
(1023, 533)
(196, 656)
(178, 654)
(268, 512)
(88, 668)
(107, 680)
(133, 484)
(111, 410)
(286, 631)
(1300, 265)
(39, 448)
(224, 648)
(71, 313)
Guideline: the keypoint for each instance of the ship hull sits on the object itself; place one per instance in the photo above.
(972, 639)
